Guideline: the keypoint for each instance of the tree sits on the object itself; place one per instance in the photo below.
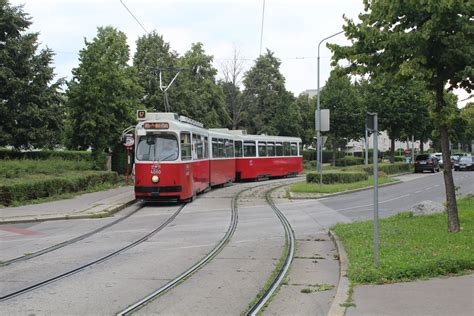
(196, 92)
(427, 40)
(402, 107)
(271, 109)
(154, 54)
(306, 108)
(104, 92)
(31, 111)
(467, 114)
(232, 71)
(347, 117)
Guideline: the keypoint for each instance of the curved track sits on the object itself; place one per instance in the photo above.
(290, 242)
(102, 259)
(68, 242)
(223, 242)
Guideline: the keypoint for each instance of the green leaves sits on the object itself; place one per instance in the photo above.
(104, 92)
(31, 112)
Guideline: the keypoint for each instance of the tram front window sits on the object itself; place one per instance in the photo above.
(157, 147)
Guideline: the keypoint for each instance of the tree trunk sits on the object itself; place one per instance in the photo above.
(334, 152)
(452, 209)
(392, 149)
(422, 146)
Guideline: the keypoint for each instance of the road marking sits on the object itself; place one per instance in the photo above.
(380, 202)
(419, 191)
(19, 231)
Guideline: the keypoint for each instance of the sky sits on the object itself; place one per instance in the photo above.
(292, 29)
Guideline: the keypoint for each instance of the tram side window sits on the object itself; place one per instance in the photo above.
(229, 148)
(206, 148)
(279, 149)
(199, 146)
(238, 148)
(286, 149)
(186, 146)
(294, 149)
(301, 149)
(221, 148)
(249, 149)
(215, 148)
(262, 149)
(271, 149)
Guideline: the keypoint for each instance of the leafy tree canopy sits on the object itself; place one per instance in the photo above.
(104, 92)
(31, 113)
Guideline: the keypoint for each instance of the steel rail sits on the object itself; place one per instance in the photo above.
(102, 259)
(67, 242)
(290, 240)
(224, 241)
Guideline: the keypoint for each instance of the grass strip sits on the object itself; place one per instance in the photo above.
(410, 247)
(303, 187)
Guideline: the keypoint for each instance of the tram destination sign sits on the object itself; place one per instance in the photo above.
(156, 125)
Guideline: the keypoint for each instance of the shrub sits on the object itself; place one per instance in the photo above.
(45, 154)
(44, 188)
(337, 177)
(390, 168)
(349, 161)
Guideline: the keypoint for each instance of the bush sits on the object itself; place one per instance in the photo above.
(390, 168)
(310, 155)
(45, 154)
(337, 177)
(44, 188)
(349, 161)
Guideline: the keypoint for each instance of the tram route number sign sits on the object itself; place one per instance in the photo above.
(128, 140)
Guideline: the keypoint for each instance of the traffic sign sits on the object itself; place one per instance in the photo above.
(128, 140)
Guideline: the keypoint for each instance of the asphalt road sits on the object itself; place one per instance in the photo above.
(413, 189)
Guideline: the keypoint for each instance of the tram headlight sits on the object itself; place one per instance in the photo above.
(155, 179)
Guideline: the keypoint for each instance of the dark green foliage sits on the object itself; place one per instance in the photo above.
(197, 95)
(29, 190)
(45, 154)
(310, 155)
(337, 177)
(119, 159)
(31, 111)
(394, 168)
(349, 161)
(103, 94)
(271, 109)
(154, 54)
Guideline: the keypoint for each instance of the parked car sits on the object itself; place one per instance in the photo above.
(426, 162)
(440, 159)
(464, 163)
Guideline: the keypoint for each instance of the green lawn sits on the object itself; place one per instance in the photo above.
(411, 247)
(303, 187)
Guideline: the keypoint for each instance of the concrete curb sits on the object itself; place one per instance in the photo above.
(44, 218)
(342, 292)
(292, 194)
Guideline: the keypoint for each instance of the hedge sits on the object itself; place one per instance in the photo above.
(310, 155)
(45, 154)
(44, 188)
(337, 177)
(349, 161)
(390, 168)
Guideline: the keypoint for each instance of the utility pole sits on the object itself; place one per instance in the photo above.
(317, 120)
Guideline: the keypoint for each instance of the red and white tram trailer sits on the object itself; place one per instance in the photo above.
(177, 158)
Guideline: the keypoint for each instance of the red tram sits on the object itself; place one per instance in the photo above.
(177, 158)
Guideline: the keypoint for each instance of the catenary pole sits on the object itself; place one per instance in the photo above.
(317, 120)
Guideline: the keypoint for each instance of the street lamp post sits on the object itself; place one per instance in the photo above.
(317, 120)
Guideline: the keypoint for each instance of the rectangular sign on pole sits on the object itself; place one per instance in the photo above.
(324, 121)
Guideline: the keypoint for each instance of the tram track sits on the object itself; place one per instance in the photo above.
(223, 242)
(68, 242)
(97, 261)
(290, 241)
